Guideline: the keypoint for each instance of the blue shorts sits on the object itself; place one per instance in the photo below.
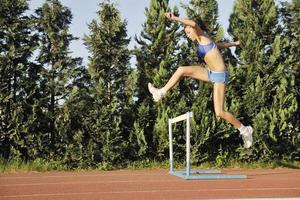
(218, 77)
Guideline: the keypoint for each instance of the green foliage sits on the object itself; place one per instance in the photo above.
(41, 165)
(17, 92)
(109, 68)
(138, 135)
(290, 32)
(268, 86)
(222, 159)
(58, 115)
(156, 61)
(58, 71)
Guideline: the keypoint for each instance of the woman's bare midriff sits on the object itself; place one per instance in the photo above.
(214, 60)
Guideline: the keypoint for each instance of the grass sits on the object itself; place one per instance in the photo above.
(262, 164)
(36, 165)
(43, 165)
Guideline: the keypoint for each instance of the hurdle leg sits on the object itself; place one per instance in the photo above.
(171, 147)
(188, 143)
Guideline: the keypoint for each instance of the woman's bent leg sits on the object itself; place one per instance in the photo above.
(219, 99)
(195, 72)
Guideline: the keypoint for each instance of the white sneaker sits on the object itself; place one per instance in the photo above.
(247, 136)
(157, 94)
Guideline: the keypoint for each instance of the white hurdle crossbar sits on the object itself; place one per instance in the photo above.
(187, 173)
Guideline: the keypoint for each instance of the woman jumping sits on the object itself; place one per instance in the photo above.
(215, 72)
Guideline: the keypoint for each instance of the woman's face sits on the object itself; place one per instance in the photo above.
(190, 33)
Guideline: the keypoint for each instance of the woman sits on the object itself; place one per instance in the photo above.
(215, 72)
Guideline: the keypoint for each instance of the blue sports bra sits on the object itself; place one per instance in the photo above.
(204, 49)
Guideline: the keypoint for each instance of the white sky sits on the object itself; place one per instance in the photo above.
(132, 10)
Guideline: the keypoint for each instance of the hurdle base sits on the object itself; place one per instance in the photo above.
(208, 175)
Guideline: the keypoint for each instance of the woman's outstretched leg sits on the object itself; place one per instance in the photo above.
(219, 99)
(195, 72)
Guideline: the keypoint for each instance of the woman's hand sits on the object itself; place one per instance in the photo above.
(186, 22)
(237, 43)
(169, 15)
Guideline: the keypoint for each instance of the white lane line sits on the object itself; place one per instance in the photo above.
(278, 198)
(39, 176)
(78, 176)
(146, 191)
(87, 182)
(106, 182)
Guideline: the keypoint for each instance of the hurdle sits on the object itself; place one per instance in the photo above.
(189, 174)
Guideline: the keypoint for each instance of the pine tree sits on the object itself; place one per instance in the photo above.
(74, 119)
(267, 88)
(17, 86)
(58, 70)
(290, 34)
(109, 69)
(156, 62)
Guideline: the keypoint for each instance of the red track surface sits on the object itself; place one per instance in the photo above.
(147, 184)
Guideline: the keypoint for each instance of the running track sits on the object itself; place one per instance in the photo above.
(147, 184)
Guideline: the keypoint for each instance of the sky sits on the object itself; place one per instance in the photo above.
(84, 11)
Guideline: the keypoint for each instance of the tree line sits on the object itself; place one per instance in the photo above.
(54, 108)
